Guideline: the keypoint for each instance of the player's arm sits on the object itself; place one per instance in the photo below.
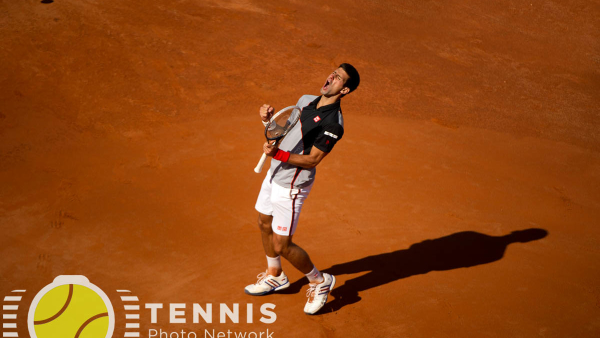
(323, 145)
(308, 161)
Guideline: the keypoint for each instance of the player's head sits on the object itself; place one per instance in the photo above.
(527, 235)
(342, 81)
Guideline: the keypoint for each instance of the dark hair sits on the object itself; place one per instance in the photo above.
(354, 79)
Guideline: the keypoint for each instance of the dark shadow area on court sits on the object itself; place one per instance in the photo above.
(459, 250)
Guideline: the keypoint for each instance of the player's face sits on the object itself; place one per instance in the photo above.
(335, 83)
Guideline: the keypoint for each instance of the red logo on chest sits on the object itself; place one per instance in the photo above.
(317, 119)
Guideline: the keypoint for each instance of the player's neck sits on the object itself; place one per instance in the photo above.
(326, 100)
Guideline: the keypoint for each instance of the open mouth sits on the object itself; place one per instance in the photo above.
(326, 85)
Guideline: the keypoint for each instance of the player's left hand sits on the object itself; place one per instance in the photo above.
(270, 149)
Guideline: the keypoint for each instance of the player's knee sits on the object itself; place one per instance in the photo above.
(264, 225)
(281, 247)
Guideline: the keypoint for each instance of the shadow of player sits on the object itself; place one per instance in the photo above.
(459, 250)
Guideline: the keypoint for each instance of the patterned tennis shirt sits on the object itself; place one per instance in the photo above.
(318, 127)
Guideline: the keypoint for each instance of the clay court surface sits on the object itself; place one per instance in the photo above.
(129, 131)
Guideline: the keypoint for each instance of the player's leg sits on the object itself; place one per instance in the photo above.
(320, 284)
(287, 204)
(293, 253)
(266, 233)
(273, 279)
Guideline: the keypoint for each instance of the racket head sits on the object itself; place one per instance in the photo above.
(282, 122)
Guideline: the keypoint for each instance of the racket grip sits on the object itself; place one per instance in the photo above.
(260, 164)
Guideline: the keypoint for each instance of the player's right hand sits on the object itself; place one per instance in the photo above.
(270, 149)
(266, 111)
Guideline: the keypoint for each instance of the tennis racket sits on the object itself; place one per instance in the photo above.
(279, 125)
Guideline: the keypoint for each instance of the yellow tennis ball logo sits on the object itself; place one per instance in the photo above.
(71, 307)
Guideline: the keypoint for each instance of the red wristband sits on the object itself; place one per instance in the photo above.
(282, 155)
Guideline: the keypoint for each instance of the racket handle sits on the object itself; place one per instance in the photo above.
(260, 164)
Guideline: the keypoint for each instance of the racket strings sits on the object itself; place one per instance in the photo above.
(280, 125)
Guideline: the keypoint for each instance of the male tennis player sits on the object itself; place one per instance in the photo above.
(289, 181)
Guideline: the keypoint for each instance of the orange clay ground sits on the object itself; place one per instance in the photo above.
(129, 131)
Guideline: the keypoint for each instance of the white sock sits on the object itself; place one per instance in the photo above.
(274, 262)
(314, 276)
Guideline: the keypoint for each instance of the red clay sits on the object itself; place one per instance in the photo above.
(129, 131)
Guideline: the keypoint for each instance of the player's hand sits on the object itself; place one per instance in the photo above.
(270, 149)
(266, 111)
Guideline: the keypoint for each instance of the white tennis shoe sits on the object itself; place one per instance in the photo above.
(267, 284)
(317, 294)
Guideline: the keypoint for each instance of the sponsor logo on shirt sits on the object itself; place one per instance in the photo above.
(332, 135)
(317, 119)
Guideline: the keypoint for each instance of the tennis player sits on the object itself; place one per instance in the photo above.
(289, 181)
